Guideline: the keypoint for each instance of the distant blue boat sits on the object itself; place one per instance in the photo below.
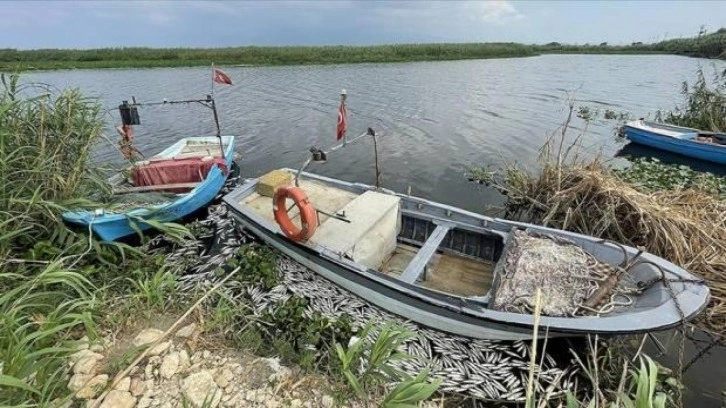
(190, 173)
(685, 141)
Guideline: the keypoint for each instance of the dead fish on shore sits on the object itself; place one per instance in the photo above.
(480, 369)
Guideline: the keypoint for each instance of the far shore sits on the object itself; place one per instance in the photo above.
(11, 60)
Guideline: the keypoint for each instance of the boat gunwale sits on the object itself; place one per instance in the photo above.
(92, 219)
(690, 143)
(690, 299)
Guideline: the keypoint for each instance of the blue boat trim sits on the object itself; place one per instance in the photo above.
(661, 137)
(113, 226)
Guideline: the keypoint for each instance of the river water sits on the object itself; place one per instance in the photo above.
(434, 119)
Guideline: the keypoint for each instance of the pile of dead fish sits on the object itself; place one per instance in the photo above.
(477, 369)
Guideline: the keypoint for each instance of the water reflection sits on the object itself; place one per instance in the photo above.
(634, 150)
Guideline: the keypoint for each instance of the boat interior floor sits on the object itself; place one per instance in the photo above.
(445, 272)
(379, 237)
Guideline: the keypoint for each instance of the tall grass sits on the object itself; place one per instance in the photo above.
(45, 141)
(583, 195)
(45, 291)
(704, 105)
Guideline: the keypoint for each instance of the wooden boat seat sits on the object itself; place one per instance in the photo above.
(370, 236)
(416, 267)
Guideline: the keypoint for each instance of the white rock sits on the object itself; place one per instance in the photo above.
(96, 348)
(93, 387)
(258, 396)
(137, 387)
(119, 399)
(272, 403)
(123, 385)
(206, 354)
(184, 361)
(274, 364)
(150, 390)
(82, 343)
(224, 377)
(78, 381)
(282, 374)
(169, 366)
(236, 401)
(149, 372)
(154, 360)
(144, 402)
(327, 401)
(86, 365)
(147, 336)
(61, 403)
(79, 355)
(186, 331)
(199, 387)
(159, 349)
(296, 403)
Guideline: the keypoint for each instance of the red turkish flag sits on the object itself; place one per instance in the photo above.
(342, 120)
(221, 78)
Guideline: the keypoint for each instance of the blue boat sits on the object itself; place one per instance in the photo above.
(685, 141)
(187, 175)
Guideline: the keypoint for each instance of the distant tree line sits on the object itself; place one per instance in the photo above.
(706, 45)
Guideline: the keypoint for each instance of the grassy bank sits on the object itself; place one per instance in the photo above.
(176, 57)
(711, 45)
(705, 45)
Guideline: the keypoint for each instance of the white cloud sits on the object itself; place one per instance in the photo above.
(495, 11)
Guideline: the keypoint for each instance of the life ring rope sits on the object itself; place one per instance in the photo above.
(308, 215)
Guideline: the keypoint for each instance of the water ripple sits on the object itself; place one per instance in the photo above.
(435, 119)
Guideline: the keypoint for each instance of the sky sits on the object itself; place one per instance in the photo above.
(93, 24)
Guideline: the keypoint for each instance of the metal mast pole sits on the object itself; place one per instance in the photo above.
(216, 116)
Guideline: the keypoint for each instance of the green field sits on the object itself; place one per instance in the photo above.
(176, 57)
(706, 45)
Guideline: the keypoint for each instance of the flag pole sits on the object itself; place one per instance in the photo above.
(343, 96)
(216, 116)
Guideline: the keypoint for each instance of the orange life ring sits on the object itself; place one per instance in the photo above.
(308, 215)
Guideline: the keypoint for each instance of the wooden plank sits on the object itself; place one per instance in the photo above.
(160, 187)
(417, 265)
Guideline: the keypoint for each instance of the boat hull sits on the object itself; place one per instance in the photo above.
(113, 226)
(469, 317)
(685, 147)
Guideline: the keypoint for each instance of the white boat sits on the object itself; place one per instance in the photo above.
(449, 269)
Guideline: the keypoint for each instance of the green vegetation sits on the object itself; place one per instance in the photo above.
(45, 285)
(652, 175)
(707, 45)
(11, 59)
(642, 387)
(368, 365)
(704, 107)
(56, 283)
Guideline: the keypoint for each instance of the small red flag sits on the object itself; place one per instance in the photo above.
(221, 78)
(342, 120)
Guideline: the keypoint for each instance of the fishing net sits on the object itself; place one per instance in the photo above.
(565, 273)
